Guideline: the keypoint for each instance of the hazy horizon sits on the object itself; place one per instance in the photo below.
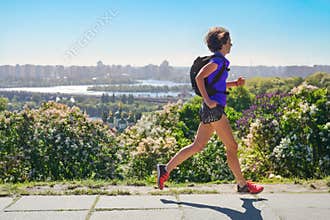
(137, 66)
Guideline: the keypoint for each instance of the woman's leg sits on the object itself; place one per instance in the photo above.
(203, 135)
(223, 130)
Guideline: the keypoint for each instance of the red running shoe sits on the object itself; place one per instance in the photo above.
(250, 188)
(162, 175)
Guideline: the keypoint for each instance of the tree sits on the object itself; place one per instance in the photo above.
(124, 99)
(105, 116)
(105, 98)
(130, 99)
(36, 97)
(113, 99)
(319, 79)
(239, 98)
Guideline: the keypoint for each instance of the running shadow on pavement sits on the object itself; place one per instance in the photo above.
(250, 213)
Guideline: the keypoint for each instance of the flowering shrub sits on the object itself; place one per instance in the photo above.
(55, 142)
(158, 136)
(287, 134)
(148, 141)
(304, 149)
(258, 131)
(283, 134)
(208, 165)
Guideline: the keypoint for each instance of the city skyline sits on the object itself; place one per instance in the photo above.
(272, 33)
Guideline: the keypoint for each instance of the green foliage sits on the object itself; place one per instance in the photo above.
(262, 85)
(3, 103)
(189, 117)
(92, 105)
(304, 150)
(208, 165)
(319, 79)
(239, 98)
(160, 135)
(279, 133)
(232, 116)
(287, 135)
(152, 139)
(55, 142)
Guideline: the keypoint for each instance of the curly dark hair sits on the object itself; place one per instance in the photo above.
(216, 38)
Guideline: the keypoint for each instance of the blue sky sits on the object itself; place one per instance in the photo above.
(272, 32)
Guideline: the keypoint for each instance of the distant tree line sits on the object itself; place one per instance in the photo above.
(47, 75)
(94, 106)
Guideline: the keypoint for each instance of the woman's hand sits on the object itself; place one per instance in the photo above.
(240, 81)
(210, 103)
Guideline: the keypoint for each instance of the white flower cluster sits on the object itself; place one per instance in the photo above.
(304, 86)
(291, 147)
(278, 151)
(254, 127)
(304, 106)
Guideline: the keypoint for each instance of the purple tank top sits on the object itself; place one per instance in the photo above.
(220, 85)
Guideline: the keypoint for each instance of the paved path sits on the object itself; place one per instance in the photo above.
(206, 206)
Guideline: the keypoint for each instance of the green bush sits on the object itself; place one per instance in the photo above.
(319, 79)
(208, 165)
(304, 150)
(280, 133)
(158, 136)
(3, 103)
(264, 85)
(239, 98)
(150, 141)
(287, 134)
(55, 142)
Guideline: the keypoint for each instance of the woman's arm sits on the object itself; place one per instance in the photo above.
(239, 82)
(203, 73)
(231, 84)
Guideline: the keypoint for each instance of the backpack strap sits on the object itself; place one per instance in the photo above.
(217, 77)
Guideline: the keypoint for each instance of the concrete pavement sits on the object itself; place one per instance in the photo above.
(199, 206)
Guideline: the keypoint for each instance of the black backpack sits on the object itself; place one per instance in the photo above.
(199, 62)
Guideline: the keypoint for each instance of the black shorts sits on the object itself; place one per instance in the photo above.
(208, 115)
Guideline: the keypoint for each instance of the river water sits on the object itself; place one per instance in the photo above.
(82, 89)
